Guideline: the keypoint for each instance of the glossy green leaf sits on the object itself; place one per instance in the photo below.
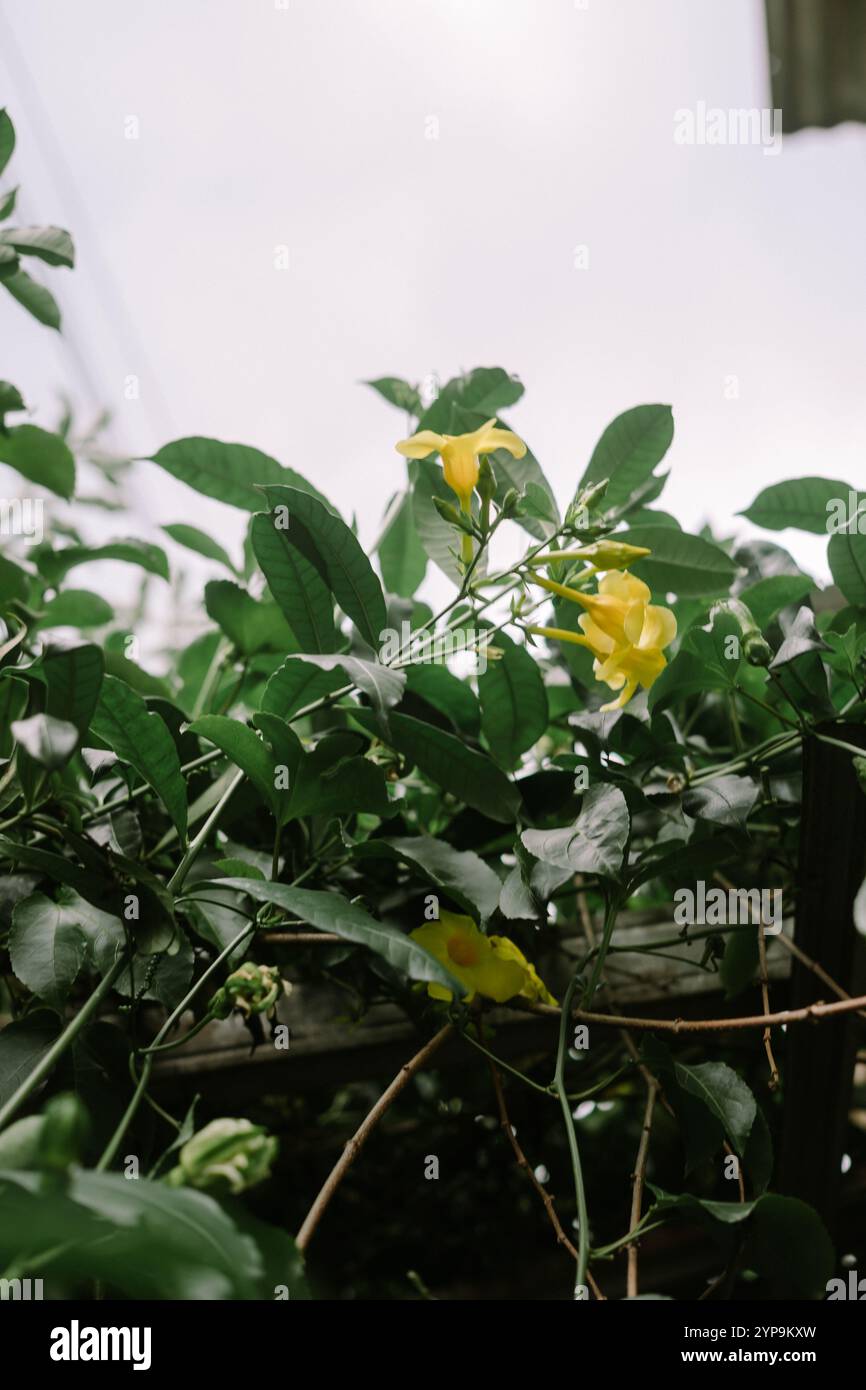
(41, 457)
(337, 555)
(142, 739)
(7, 138)
(76, 608)
(681, 564)
(303, 596)
(724, 1093)
(298, 683)
(73, 677)
(55, 565)
(804, 503)
(462, 874)
(230, 473)
(514, 711)
(50, 244)
(846, 556)
(35, 298)
(49, 741)
(252, 625)
(331, 913)
(23, 1044)
(595, 843)
(402, 558)
(727, 800)
(450, 764)
(47, 948)
(399, 393)
(191, 538)
(246, 750)
(629, 450)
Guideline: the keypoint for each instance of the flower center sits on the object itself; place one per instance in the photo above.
(461, 951)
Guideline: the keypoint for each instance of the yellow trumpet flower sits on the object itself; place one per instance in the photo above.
(460, 460)
(460, 453)
(491, 966)
(624, 631)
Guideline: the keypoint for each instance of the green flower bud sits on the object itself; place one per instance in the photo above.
(20, 1143)
(253, 989)
(227, 1156)
(756, 649)
(486, 485)
(510, 502)
(64, 1133)
(452, 516)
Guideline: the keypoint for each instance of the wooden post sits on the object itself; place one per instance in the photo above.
(820, 1058)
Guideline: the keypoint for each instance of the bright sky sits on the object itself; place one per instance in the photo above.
(306, 124)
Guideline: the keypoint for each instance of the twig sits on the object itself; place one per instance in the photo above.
(363, 1132)
(765, 989)
(523, 1162)
(697, 1025)
(637, 1187)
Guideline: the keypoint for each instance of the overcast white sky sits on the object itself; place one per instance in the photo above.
(306, 123)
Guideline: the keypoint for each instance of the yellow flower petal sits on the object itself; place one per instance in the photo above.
(421, 444)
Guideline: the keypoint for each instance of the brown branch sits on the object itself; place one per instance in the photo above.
(523, 1162)
(698, 1025)
(765, 987)
(363, 1132)
(796, 951)
(637, 1187)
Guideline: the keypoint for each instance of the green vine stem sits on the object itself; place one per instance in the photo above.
(59, 1046)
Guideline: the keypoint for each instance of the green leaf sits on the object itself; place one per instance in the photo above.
(142, 739)
(401, 554)
(846, 556)
(399, 393)
(328, 544)
(440, 541)
(246, 750)
(725, 1094)
(56, 564)
(76, 608)
(483, 392)
(789, 1245)
(49, 741)
(13, 702)
(681, 564)
(73, 676)
(47, 949)
(230, 473)
(7, 139)
(252, 625)
(198, 541)
(727, 800)
(450, 764)
(325, 781)
(144, 1238)
(740, 962)
(769, 596)
(444, 692)
(461, 874)
(7, 203)
(513, 699)
(541, 516)
(379, 683)
(41, 457)
(330, 913)
(801, 637)
(13, 581)
(303, 596)
(629, 450)
(23, 1044)
(803, 503)
(296, 684)
(50, 244)
(596, 841)
(35, 298)
(11, 399)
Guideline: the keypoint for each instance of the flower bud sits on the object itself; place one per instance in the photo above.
(756, 649)
(253, 989)
(452, 516)
(486, 485)
(227, 1156)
